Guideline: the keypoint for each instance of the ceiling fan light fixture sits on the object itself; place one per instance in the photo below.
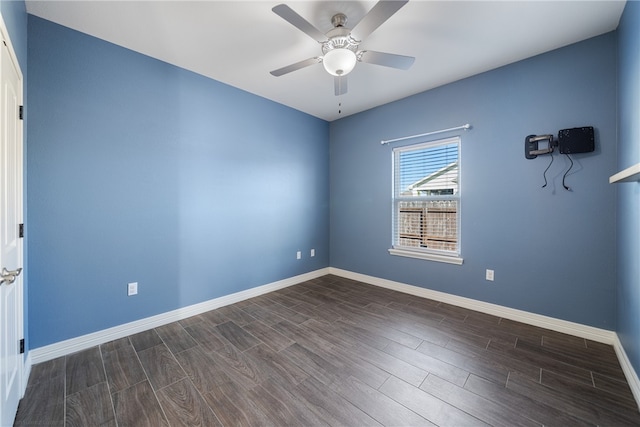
(339, 62)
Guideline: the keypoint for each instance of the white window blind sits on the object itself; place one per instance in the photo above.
(426, 199)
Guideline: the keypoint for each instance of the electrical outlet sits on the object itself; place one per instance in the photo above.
(489, 275)
(298, 255)
(132, 288)
(313, 252)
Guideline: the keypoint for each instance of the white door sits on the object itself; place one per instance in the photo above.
(11, 361)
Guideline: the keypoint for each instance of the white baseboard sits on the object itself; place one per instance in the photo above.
(62, 348)
(564, 326)
(627, 368)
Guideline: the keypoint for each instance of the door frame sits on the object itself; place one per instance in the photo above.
(24, 365)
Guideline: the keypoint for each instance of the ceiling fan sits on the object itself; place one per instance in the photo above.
(340, 44)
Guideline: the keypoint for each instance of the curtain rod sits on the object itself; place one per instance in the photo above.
(465, 127)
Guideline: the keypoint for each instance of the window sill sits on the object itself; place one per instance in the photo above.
(428, 256)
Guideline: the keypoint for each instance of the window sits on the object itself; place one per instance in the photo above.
(426, 201)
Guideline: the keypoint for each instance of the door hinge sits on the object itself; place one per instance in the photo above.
(21, 112)
(22, 346)
(21, 230)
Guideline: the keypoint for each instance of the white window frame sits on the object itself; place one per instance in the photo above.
(439, 255)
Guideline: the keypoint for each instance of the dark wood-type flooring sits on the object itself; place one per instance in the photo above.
(332, 351)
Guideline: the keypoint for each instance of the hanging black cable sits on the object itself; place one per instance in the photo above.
(544, 174)
(565, 174)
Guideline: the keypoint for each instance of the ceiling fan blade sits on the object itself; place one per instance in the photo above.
(340, 85)
(294, 67)
(382, 11)
(292, 17)
(387, 59)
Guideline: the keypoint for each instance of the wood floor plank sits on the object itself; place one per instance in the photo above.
(276, 412)
(239, 367)
(362, 335)
(617, 387)
(330, 407)
(281, 299)
(138, 406)
(497, 359)
(462, 331)
(225, 410)
(115, 344)
(300, 408)
(429, 364)
(591, 394)
(144, 340)
(263, 314)
(571, 404)
(237, 336)
(45, 371)
(286, 313)
(183, 405)
(379, 406)
(202, 369)
(161, 367)
(543, 361)
(316, 312)
(207, 336)
(90, 407)
(426, 405)
(237, 315)
(313, 364)
(522, 404)
(423, 314)
(367, 326)
(268, 335)
(475, 365)
(477, 329)
(473, 404)
(175, 337)
(370, 355)
(425, 329)
(122, 367)
(347, 361)
(43, 403)
(190, 321)
(412, 314)
(586, 359)
(214, 317)
(232, 407)
(84, 369)
(276, 365)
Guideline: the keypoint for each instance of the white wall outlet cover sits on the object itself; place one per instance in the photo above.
(489, 275)
(132, 288)
(298, 255)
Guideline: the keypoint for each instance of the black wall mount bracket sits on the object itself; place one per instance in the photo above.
(534, 145)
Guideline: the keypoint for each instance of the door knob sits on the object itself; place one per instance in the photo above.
(9, 276)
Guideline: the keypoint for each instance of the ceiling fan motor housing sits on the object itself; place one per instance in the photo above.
(340, 38)
(340, 51)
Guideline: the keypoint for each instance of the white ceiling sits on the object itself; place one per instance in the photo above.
(239, 42)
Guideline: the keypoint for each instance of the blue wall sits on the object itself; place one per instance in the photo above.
(141, 171)
(628, 215)
(553, 251)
